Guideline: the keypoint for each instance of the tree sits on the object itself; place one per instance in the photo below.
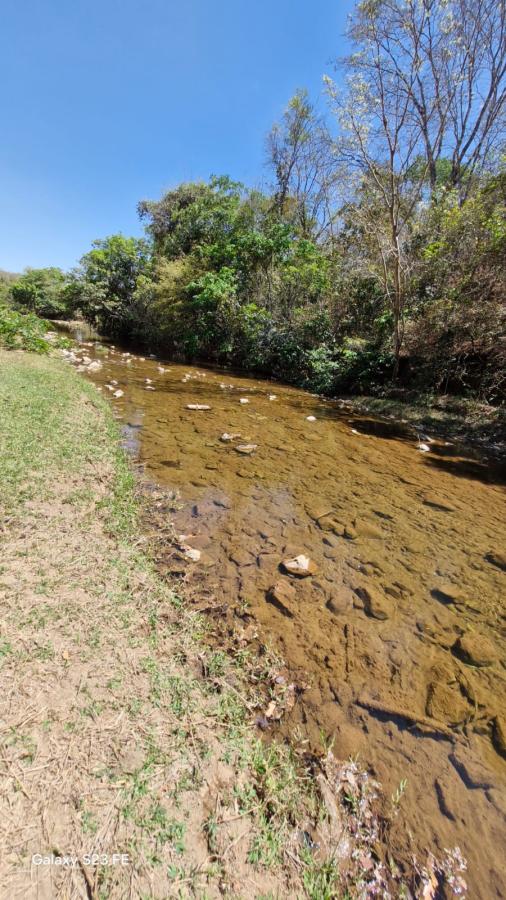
(106, 283)
(425, 83)
(299, 151)
(45, 292)
(445, 61)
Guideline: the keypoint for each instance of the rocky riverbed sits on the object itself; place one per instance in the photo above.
(368, 555)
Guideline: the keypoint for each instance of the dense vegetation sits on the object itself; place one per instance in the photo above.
(376, 253)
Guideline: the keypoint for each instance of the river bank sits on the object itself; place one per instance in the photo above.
(124, 735)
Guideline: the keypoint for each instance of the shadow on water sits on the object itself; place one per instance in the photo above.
(489, 470)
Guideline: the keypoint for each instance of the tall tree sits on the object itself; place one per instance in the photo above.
(425, 81)
(299, 151)
(446, 60)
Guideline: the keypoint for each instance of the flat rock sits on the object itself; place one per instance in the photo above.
(300, 565)
(338, 605)
(192, 553)
(197, 406)
(475, 649)
(318, 511)
(331, 523)
(282, 595)
(376, 604)
(497, 559)
(447, 592)
(438, 503)
(367, 529)
(445, 703)
(242, 558)
(226, 437)
(246, 449)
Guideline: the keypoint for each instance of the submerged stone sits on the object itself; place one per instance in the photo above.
(376, 605)
(281, 595)
(475, 649)
(300, 565)
(246, 449)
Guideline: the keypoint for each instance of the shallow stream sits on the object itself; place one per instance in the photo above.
(397, 635)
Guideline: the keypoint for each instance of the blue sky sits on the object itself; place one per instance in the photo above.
(106, 102)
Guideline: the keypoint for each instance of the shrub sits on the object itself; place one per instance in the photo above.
(22, 331)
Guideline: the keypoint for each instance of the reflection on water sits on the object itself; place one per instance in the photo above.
(398, 635)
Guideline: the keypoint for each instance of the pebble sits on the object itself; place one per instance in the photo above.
(192, 553)
(225, 437)
(197, 406)
(300, 565)
(376, 605)
(246, 449)
(282, 595)
(475, 649)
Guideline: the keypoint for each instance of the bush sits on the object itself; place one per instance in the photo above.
(46, 292)
(22, 331)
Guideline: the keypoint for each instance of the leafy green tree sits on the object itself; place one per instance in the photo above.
(45, 292)
(106, 284)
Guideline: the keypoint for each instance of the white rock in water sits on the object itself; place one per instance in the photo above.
(424, 448)
(197, 406)
(118, 394)
(142, 358)
(229, 437)
(246, 449)
(113, 382)
(161, 369)
(272, 397)
(148, 380)
(243, 400)
(95, 366)
(300, 565)
(149, 387)
(354, 431)
(310, 418)
(192, 553)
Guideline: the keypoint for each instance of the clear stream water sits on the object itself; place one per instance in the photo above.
(404, 545)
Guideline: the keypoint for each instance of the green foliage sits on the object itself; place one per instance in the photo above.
(46, 292)
(106, 284)
(22, 331)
